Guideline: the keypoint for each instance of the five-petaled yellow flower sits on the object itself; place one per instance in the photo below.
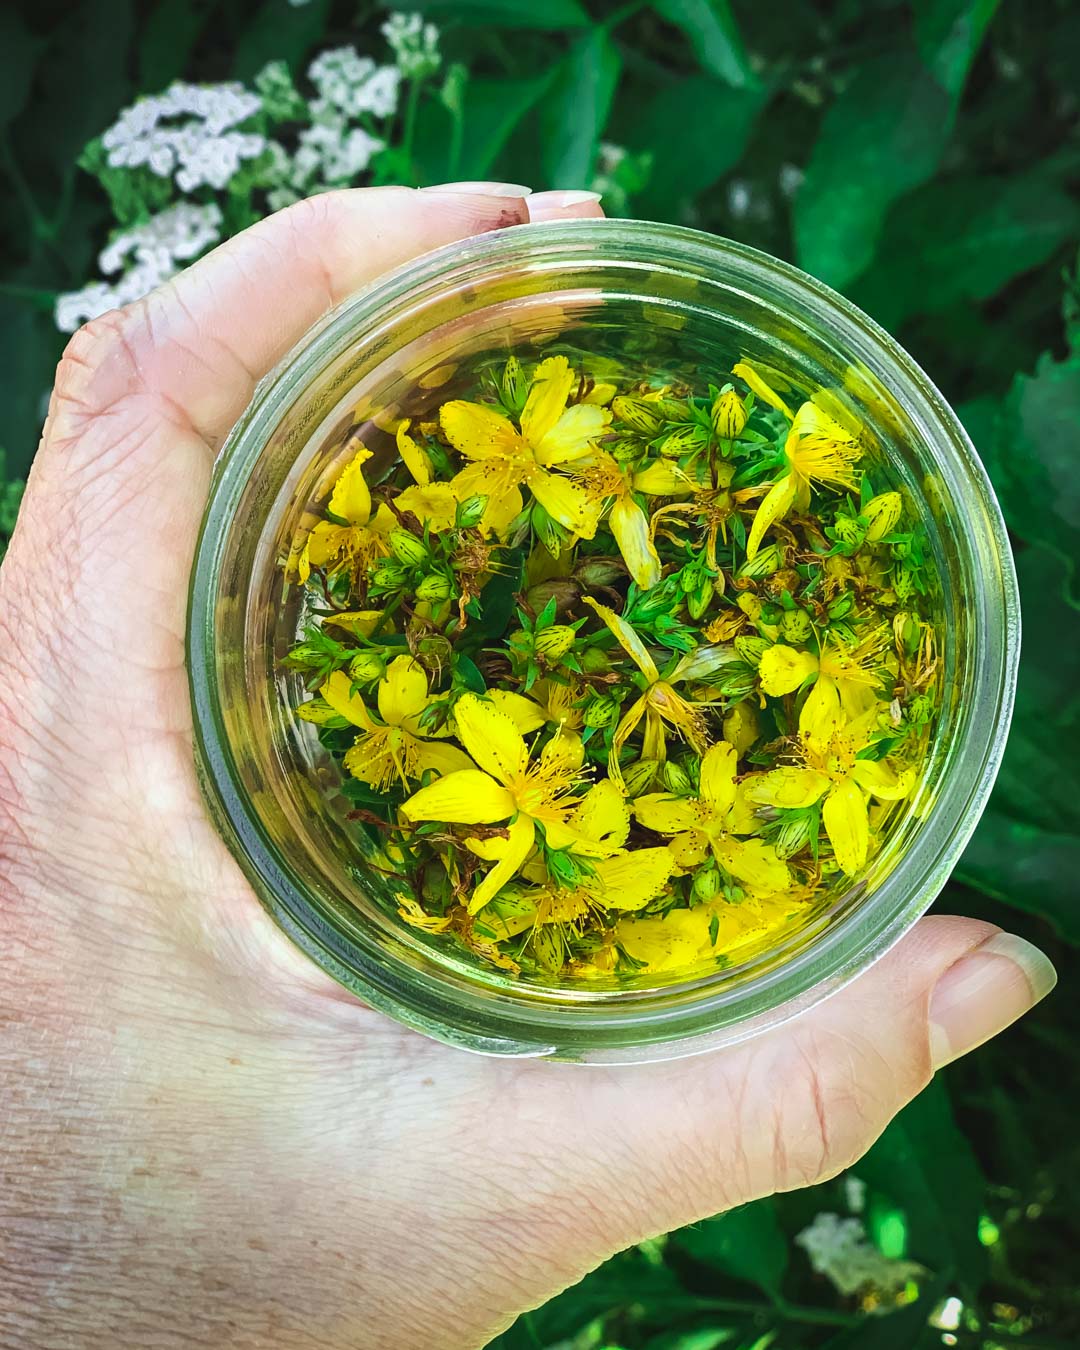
(682, 939)
(393, 746)
(852, 671)
(818, 450)
(604, 479)
(508, 785)
(830, 769)
(504, 456)
(711, 822)
(354, 545)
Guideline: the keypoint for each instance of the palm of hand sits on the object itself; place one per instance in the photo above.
(273, 1160)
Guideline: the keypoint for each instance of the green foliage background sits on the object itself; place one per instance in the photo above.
(921, 157)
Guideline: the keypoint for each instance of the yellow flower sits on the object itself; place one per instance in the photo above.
(433, 504)
(508, 785)
(683, 939)
(604, 479)
(354, 545)
(709, 823)
(830, 769)
(395, 746)
(818, 449)
(660, 705)
(505, 456)
(852, 671)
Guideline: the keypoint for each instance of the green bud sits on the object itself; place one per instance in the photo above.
(684, 441)
(728, 415)
(434, 588)
(920, 710)
(672, 409)
(883, 513)
(796, 625)
(601, 712)
(595, 662)
(675, 779)
(706, 885)
(903, 584)
(407, 548)
(699, 601)
(513, 387)
(553, 643)
(793, 834)
(842, 606)
(435, 654)
(636, 414)
(389, 574)
(752, 649)
(366, 667)
(640, 777)
(563, 868)
(849, 530)
(906, 632)
(470, 512)
(767, 561)
(736, 680)
(691, 577)
(547, 949)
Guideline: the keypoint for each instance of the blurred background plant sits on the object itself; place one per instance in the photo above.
(922, 156)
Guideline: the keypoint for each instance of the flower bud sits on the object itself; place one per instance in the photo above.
(736, 680)
(513, 387)
(906, 632)
(601, 712)
(636, 414)
(671, 409)
(699, 601)
(752, 649)
(765, 562)
(434, 588)
(796, 625)
(728, 415)
(842, 606)
(793, 834)
(407, 548)
(742, 727)
(366, 667)
(675, 778)
(389, 574)
(595, 662)
(639, 777)
(435, 654)
(470, 512)
(849, 530)
(883, 513)
(903, 584)
(684, 441)
(553, 643)
(706, 885)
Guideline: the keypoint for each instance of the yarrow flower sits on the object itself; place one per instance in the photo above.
(354, 84)
(840, 1250)
(415, 45)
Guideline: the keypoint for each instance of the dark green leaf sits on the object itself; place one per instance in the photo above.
(577, 107)
(714, 35)
(883, 136)
(697, 128)
(493, 110)
(1026, 866)
(18, 52)
(925, 1166)
(280, 31)
(747, 1243)
(167, 41)
(547, 14)
(950, 33)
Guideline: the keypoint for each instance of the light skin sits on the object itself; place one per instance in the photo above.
(203, 1141)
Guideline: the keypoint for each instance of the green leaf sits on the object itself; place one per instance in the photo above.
(950, 33)
(548, 14)
(280, 31)
(18, 55)
(714, 35)
(168, 38)
(697, 128)
(577, 109)
(747, 1243)
(926, 1168)
(493, 111)
(883, 136)
(1026, 866)
(964, 239)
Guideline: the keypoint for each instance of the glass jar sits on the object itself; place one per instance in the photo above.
(692, 301)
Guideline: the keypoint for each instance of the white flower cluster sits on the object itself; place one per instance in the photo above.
(187, 133)
(415, 45)
(840, 1250)
(352, 85)
(151, 253)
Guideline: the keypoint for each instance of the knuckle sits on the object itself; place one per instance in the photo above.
(99, 368)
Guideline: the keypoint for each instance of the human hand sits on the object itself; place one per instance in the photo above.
(205, 1142)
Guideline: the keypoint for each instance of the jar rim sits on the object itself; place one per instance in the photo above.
(607, 1032)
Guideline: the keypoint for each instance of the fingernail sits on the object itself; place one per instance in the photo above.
(558, 200)
(984, 992)
(481, 189)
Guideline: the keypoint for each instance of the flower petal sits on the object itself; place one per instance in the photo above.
(491, 738)
(630, 526)
(499, 484)
(777, 503)
(467, 797)
(337, 691)
(350, 499)
(667, 814)
(882, 779)
(525, 713)
(374, 759)
(437, 755)
(548, 392)
(662, 478)
(719, 765)
(434, 505)
(676, 941)
(783, 669)
(573, 435)
(603, 814)
(631, 880)
(821, 715)
(479, 432)
(362, 622)
(564, 753)
(413, 456)
(790, 787)
(753, 380)
(754, 863)
(689, 849)
(403, 690)
(628, 640)
(518, 848)
(846, 823)
(565, 501)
